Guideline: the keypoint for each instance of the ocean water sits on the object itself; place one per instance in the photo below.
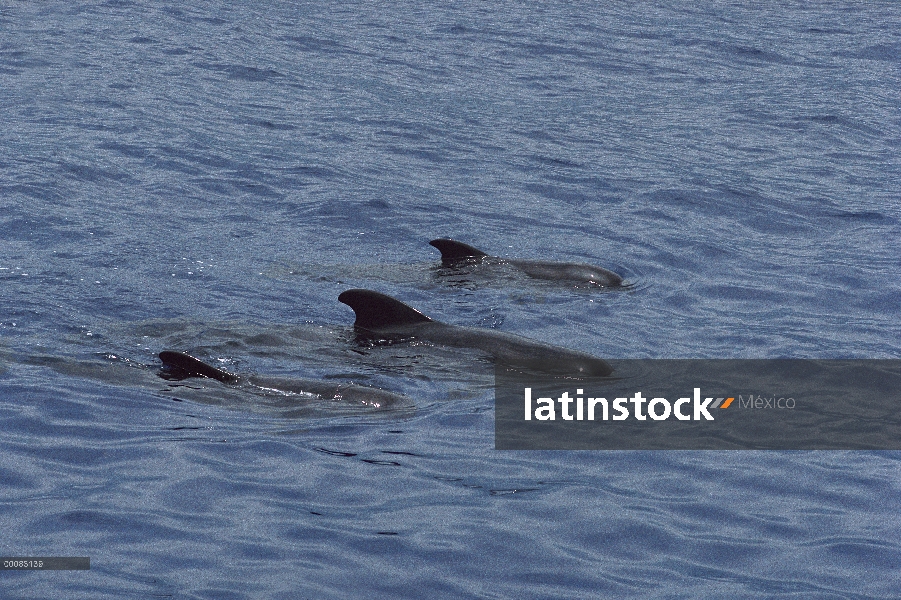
(209, 178)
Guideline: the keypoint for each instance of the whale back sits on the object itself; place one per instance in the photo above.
(377, 311)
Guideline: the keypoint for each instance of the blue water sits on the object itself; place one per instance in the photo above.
(210, 177)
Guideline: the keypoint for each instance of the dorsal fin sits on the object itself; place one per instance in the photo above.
(379, 311)
(452, 250)
(188, 366)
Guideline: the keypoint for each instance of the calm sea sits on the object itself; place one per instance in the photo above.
(209, 176)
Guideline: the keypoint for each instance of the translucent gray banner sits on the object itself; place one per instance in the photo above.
(45, 563)
(739, 404)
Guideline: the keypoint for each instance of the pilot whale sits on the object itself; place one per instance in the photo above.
(381, 315)
(178, 366)
(457, 254)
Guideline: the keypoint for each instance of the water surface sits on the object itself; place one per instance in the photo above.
(211, 177)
